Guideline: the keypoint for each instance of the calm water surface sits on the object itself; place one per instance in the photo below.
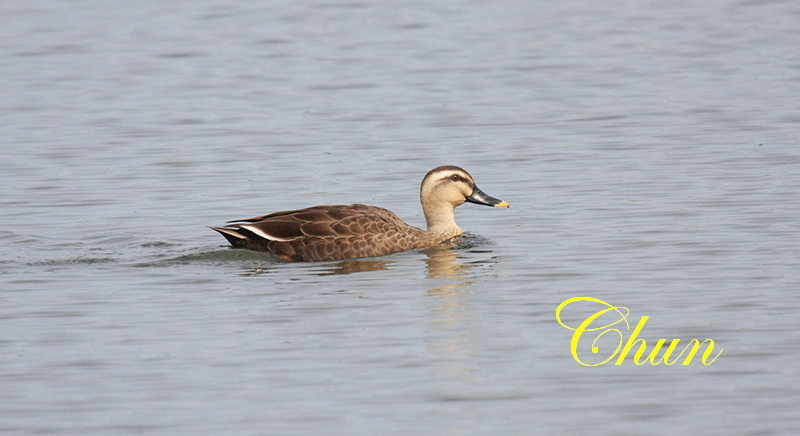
(649, 151)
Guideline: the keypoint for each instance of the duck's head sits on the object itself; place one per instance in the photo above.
(451, 186)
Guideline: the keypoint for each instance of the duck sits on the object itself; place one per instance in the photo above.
(340, 232)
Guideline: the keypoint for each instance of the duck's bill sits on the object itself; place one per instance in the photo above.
(480, 197)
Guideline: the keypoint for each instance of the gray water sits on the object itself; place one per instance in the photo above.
(649, 151)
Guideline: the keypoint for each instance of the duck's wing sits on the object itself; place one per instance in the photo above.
(323, 232)
(317, 221)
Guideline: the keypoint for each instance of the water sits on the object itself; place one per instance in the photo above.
(649, 152)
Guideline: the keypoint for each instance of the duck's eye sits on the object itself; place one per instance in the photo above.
(455, 177)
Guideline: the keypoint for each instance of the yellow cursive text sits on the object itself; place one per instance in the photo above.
(622, 350)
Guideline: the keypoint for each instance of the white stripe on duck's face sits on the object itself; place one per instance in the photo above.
(448, 184)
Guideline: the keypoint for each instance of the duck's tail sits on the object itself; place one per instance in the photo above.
(235, 238)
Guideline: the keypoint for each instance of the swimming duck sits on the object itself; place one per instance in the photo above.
(351, 231)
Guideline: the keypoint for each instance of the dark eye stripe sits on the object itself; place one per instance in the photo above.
(455, 178)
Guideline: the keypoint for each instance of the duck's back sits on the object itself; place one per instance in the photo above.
(326, 233)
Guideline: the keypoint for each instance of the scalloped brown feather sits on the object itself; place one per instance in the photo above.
(330, 232)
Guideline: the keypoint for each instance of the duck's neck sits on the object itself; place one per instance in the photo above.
(441, 222)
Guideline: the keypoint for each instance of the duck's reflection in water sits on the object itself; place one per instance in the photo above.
(448, 333)
(354, 266)
(443, 263)
(329, 269)
(448, 330)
